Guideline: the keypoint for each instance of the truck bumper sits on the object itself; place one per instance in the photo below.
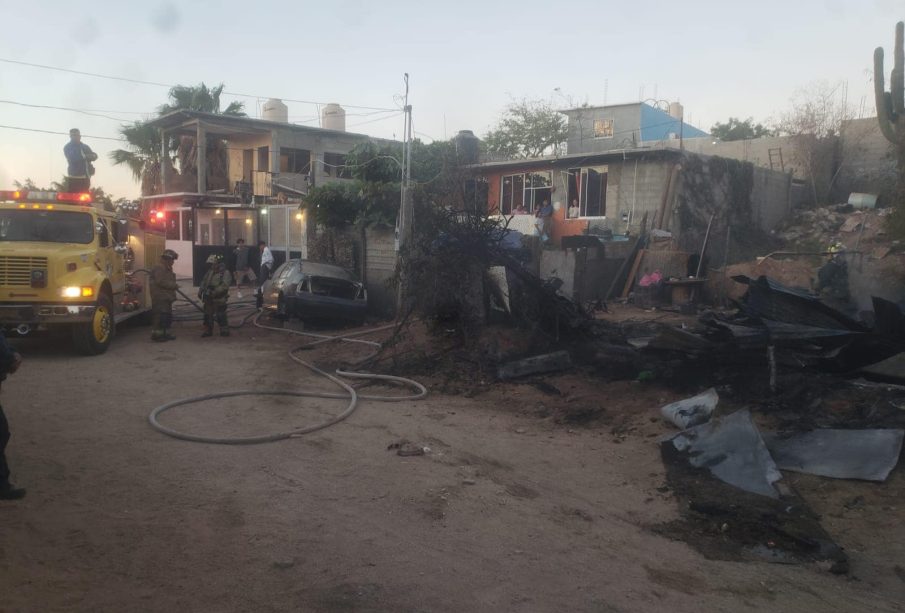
(46, 314)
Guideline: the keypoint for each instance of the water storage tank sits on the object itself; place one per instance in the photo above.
(333, 117)
(676, 110)
(467, 147)
(275, 110)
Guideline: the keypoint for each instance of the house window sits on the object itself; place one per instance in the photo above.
(335, 166)
(524, 193)
(587, 192)
(297, 161)
(603, 128)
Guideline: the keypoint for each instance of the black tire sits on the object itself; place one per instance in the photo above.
(282, 308)
(94, 337)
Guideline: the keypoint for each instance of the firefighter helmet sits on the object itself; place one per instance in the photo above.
(170, 254)
(214, 259)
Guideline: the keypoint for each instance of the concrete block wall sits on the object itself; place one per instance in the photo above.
(868, 161)
(771, 197)
(380, 266)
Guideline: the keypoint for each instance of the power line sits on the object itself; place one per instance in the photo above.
(169, 86)
(63, 108)
(62, 133)
(393, 116)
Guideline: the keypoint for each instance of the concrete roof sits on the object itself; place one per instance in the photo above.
(232, 124)
(600, 106)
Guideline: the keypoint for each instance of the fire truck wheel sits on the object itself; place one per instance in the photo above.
(93, 338)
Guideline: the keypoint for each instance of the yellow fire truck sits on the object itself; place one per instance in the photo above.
(68, 262)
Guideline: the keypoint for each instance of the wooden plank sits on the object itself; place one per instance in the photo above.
(634, 271)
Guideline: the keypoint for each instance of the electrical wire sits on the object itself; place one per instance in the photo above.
(122, 140)
(63, 108)
(167, 85)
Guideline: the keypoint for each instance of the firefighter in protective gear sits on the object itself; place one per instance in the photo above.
(163, 295)
(214, 293)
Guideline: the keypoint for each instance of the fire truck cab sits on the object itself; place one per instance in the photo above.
(68, 262)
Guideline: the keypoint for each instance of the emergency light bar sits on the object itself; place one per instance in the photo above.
(21, 195)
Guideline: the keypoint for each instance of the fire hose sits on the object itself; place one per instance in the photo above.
(349, 392)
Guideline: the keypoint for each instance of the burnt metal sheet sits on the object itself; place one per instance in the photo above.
(768, 299)
(888, 319)
(869, 455)
(890, 369)
(732, 449)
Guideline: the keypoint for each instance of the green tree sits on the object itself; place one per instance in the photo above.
(143, 156)
(373, 197)
(528, 128)
(200, 98)
(736, 129)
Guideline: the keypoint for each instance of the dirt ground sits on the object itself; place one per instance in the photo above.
(514, 507)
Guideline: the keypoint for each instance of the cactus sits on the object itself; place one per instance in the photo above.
(891, 104)
(891, 111)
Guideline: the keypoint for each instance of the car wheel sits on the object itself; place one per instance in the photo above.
(282, 308)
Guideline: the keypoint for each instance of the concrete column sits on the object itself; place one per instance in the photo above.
(165, 168)
(274, 154)
(201, 157)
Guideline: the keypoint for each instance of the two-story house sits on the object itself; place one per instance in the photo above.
(270, 165)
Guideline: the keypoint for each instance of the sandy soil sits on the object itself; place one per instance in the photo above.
(512, 508)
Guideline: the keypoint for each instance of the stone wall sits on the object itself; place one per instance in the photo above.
(746, 203)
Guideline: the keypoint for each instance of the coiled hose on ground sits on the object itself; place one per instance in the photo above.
(349, 394)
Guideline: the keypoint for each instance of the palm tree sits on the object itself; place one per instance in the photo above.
(144, 157)
(200, 98)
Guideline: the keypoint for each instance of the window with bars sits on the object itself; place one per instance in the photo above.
(524, 193)
(603, 128)
(587, 192)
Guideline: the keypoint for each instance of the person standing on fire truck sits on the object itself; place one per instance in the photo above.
(163, 295)
(79, 157)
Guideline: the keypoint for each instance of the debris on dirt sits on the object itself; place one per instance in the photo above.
(855, 503)
(869, 454)
(546, 388)
(406, 449)
(581, 415)
(691, 411)
(778, 530)
(550, 362)
(732, 449)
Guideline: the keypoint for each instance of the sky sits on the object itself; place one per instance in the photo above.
(466, 62)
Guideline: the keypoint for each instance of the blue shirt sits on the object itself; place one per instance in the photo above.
(78, 155)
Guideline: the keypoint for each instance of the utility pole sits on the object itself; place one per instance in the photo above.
(406, 204)
(405, 220)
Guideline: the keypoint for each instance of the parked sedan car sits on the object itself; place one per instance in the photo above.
(314, 290)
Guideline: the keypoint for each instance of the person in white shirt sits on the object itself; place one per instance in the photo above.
(266, 267)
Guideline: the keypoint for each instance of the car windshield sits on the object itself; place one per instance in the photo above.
(48, 226)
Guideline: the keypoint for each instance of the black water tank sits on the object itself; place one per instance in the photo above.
(467, 147)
